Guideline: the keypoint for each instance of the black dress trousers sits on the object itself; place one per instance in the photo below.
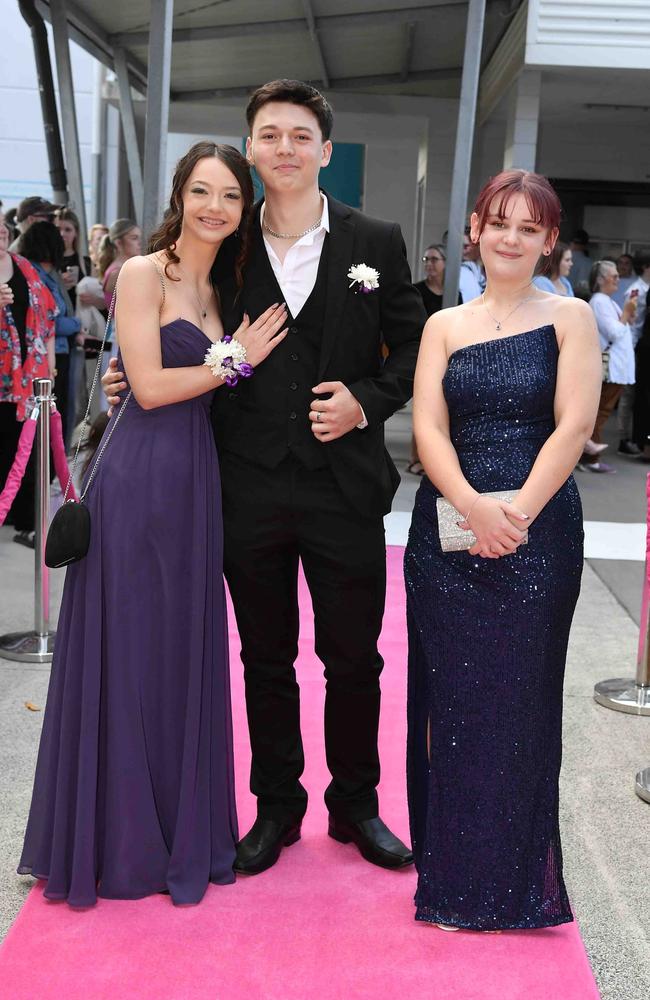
(274, 518)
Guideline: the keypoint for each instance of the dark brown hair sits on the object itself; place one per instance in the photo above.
(550, 266)
(292, 92)
(164, 238)
(67, 215)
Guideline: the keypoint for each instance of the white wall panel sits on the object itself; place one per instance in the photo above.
(600, 33)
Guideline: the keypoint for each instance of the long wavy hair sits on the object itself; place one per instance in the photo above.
(236, 246)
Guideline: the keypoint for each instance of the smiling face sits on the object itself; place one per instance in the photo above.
(286, 147)
(511, 244)
(212, 201)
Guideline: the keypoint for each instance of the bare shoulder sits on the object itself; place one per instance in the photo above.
(138, 269)
(573, 318)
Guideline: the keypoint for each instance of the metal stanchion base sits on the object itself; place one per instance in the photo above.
(624, 695)
(29, 647)
(642, 786)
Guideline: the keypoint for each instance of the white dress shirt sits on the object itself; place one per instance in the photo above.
(615, 337)
(296, 274)
(641, 303)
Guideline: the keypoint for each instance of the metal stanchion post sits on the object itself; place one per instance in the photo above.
(37, 646)
(642, 786)
(627, 694)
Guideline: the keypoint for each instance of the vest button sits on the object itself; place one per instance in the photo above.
(294, 357)
(293, 329)
(293, 415)
(232, 395)
(293, 385)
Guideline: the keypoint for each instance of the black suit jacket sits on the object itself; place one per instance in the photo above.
(355, 325)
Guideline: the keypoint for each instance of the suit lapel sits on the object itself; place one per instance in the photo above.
(261, 288)
(341, 239)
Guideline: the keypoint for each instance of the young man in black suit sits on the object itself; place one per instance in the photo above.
(306, 477)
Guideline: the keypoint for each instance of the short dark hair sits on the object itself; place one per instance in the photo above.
(641, 262)
(43, 243)
(292, 92)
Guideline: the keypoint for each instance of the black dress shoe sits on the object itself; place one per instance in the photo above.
(374, 840)
(629, 448)
(262, 845)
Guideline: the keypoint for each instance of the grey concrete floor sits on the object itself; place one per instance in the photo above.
(605, 826)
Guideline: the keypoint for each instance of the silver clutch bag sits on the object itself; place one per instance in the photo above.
(455, 539)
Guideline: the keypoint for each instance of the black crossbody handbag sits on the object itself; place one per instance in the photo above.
(68, 539)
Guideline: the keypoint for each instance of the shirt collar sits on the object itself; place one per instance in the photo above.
(324, 225)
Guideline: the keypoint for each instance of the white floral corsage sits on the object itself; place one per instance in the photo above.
(226, 359)
(367, 278)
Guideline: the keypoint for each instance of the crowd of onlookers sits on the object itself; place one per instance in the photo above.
(617, 291)
(54, 301)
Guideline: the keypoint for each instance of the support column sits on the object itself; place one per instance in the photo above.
(523, 121)
(130, 133)
(99, 147)
(69, 116)
(155, 139)
(464, 146)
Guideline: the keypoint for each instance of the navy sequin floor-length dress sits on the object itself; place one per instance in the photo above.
(487, 650)
(134, 789)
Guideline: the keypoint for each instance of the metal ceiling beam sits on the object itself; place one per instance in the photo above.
(338, 83)
(316, 42)
(157, 116)
(409, 38)
(293, 26)
(130, 135)
(83, 30)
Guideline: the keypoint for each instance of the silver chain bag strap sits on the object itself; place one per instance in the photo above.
(68, 539)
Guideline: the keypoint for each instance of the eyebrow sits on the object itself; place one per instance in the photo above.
(230, 187)
(294, 128)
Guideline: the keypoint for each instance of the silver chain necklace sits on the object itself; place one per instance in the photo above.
(290, 236)
(499, 322)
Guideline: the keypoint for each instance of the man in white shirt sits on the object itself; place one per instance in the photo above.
(626, 277)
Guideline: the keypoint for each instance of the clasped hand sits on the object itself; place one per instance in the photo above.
(332, 418)
(500, 527)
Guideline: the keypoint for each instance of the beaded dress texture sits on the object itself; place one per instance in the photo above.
(487, 651)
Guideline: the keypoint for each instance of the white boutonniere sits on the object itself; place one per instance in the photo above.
(367, 278)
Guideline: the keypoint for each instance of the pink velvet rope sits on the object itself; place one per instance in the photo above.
(17, 470)
(24, 450)
(645, 599)
(58, 453)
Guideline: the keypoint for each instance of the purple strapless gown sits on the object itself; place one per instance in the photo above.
(134, 788)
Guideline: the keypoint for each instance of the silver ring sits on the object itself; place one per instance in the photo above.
(318, 416)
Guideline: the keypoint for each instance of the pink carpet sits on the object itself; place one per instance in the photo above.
(322, 923)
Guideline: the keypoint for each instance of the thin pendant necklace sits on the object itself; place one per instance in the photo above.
(290, 236)
(499, 322)
(203, 308)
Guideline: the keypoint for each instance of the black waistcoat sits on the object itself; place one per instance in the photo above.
(265, 418)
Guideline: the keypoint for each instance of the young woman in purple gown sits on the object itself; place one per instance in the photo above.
(134, 789)
(506, 390)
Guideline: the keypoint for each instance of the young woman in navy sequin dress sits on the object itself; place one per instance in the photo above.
(506, 392)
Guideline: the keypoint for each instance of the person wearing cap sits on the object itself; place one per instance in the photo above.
(31, 210)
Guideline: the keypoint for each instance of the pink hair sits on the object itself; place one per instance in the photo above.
(543, 203)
